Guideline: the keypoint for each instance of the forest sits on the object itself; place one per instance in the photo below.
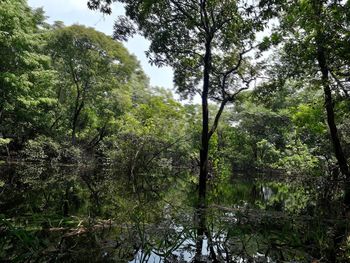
(245, 160)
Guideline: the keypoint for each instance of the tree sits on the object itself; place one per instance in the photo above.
(206, 42)
(26, 101)
(152, 139)
(92, 66)
(315, 39)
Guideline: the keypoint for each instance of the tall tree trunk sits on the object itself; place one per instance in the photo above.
(205, 128)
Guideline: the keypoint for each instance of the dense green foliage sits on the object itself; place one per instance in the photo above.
(73, 95)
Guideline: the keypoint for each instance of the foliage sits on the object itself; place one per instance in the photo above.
(45, 148)
(72, 95)
(158, 132)
(26, 102)
(297, 159)
(266, 153)
(312, 51)
(4, 145)
(95, 77)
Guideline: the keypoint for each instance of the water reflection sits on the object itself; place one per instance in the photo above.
(80, 214)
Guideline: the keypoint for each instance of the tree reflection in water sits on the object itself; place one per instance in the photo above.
(72, 214)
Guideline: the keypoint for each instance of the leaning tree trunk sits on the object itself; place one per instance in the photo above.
(338, 150)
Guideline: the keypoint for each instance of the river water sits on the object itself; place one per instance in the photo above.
(84, 214)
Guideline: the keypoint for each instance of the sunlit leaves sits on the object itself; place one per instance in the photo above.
(96, 74)
(25, 77)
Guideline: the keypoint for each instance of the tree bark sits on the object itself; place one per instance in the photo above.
(75, 121)
(203, 175)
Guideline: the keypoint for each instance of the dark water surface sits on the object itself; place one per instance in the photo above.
(80, 214)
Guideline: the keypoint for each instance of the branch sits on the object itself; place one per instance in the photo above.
(204, 17)
(339, 83)
(217, 117)
(240, 59)
(212, 15)
(184, 12)
(74, 75)
(216, 98)
(232, 70)
(55, 121)
(233, 96)
(220, 24)
(227, 98)
(163, 149)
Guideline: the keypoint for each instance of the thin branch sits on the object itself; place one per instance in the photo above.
(339, 83)
(227, 98)
(233, 96)
(184, 12)
(240, 59)
(217, 117)
(163, 149)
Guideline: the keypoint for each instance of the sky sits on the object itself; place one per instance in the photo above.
(77, 12)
